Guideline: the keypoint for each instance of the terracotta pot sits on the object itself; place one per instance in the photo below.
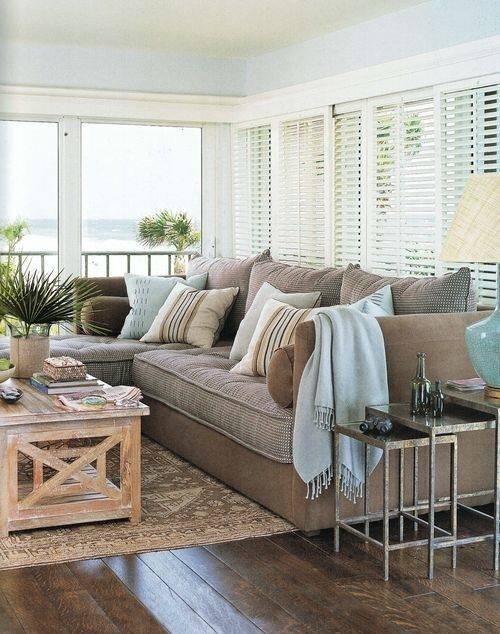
(28, 354)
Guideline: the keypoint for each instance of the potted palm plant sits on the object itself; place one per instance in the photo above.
(31, 303)
(174, 229)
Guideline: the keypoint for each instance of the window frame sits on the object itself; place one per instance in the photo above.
(69, 179)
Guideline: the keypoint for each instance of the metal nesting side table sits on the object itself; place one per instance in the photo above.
(464, 412)
(399, 439)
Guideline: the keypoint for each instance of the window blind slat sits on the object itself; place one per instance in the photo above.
(401, 211)
(470, 139)
(300, 224)
(252, 190)
(347, 189)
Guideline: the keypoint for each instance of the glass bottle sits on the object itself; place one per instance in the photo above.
(437, 400)
(420, 388)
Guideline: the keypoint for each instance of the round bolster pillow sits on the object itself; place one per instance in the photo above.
(280, 376)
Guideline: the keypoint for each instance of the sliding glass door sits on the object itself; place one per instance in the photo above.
(29, 193)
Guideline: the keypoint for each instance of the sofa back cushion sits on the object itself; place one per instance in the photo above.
(297, 279)
(225, 273)
(451, 293)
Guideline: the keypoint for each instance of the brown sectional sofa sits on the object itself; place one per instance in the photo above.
(231, 426)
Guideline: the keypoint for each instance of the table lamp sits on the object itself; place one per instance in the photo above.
(474, 236)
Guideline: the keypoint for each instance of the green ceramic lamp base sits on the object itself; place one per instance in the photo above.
(483, 344)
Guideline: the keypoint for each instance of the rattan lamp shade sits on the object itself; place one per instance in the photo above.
(474, 235)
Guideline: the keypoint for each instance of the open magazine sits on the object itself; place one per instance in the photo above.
(466, 385)
(119, 397)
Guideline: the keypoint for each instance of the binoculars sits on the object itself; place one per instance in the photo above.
(374, 423)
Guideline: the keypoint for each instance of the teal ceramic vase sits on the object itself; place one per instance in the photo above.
(483, 343)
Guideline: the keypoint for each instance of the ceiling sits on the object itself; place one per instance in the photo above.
(218, 28)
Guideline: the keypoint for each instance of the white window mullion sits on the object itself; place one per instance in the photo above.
(70, 204)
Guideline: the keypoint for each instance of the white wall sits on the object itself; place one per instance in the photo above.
(419, 29)
(23, 64)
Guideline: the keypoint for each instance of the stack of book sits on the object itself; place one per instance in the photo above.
(45, 384)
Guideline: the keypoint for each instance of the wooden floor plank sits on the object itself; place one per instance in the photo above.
(32, 607)
(378, 604)
(75, 606)
(277, 587)
(199, 595)
(9, 623)
(283, 583)
(248, 599)
(408, 574)
(165, 605)
(449, 617)
(119, 604)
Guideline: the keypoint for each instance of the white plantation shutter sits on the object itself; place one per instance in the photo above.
(300, 225)
(402, 206)
(347, 166)
(470, 140)
(252, 190)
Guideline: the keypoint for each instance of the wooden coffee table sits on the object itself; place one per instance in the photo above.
(76, 488)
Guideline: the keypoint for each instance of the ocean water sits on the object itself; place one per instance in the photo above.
(103, 234)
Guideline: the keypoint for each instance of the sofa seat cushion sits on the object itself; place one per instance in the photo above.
(107, 358)
(199, 384)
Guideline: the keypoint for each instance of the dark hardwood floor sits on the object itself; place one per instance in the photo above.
(285, 583)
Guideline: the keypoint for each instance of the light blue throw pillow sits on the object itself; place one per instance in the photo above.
(378, 304)
(147, 295)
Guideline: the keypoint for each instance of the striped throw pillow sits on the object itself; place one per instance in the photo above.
(275, 329)
(191, 316)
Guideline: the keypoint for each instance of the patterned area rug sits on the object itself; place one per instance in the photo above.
(181, 505)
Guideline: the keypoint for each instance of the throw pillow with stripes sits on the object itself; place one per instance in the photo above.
(275, 329)
(191, 316)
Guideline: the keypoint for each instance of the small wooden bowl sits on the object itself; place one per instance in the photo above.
(7, 374)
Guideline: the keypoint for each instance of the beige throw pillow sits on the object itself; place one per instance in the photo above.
(251, 319)
(275, 329)
(191, 316)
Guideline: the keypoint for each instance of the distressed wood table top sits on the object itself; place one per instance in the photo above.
(35, 406)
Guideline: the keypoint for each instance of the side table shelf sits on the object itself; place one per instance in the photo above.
(464, 412)
(398, 440)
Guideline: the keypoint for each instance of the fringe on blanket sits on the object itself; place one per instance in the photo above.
(350, 486)
(323, 418)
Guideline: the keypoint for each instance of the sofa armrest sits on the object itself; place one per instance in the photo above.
(305, 338)
(440, 335)
(105, 312)
(109, 288)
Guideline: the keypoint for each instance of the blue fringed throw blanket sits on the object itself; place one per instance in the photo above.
(346, 372)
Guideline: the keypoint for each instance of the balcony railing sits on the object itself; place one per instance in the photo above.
(101, 264)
